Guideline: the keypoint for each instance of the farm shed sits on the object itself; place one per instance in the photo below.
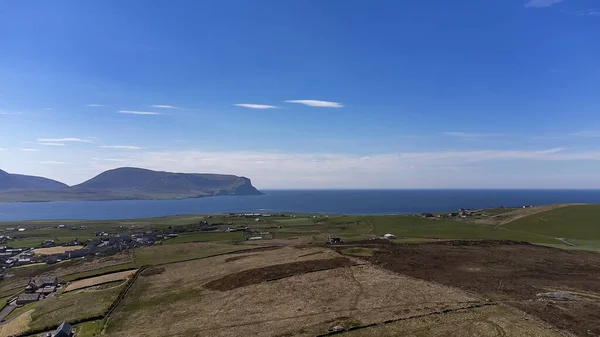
(64, 330)
(27, 298)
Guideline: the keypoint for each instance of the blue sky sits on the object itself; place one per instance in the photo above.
(305, 94)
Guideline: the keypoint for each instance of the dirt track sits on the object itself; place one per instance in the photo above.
(508, 271)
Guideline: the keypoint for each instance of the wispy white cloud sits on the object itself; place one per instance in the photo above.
(162, 106)
(29, 150)
(471, 135)
(121, 147)
(6, 113)
(585, 134)
(48, 109)
(52, 144)
(108, 159)
(50, 162)
(94, 105)
(333, 170)
(319, 104)
(256, 106)
(134, 112)
(541, 3)
(63, 140)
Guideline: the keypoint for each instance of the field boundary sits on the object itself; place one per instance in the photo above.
(439, 312)
(100, 274)
(249, 250)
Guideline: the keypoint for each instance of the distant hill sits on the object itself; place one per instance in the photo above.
(130, 178)
(22, 182)
(128, 183)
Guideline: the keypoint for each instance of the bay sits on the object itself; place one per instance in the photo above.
(299, 201)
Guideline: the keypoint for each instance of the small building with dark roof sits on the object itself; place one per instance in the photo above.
(38, 282)
(27, 298)
(64, 330)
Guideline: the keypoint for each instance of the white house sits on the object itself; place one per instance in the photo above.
(389, 236)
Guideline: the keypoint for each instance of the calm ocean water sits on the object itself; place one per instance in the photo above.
(323, 201)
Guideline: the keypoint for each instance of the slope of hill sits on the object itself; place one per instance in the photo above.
(22, 182)
(130, 183)
(570, 222)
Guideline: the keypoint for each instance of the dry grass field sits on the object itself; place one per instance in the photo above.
(92, 281)
(301, 305)
(17, 326)
(55, 250)
(490, 321)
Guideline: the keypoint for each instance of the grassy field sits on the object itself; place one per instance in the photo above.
(55, 250)
(97, 272)
(574, 222)
(73, 306)
(488, 321)
(93, 281)
(350, 295)
(161, 254)
(88, 329)
(205, 237)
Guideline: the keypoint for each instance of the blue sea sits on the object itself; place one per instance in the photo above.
(300, 201)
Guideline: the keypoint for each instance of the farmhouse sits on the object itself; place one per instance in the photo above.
(27, 298)
(41, 282)
(389, 236)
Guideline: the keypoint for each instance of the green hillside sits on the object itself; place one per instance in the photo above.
(572, 222)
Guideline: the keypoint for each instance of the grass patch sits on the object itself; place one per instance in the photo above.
(357, 251)
(575, 222)
(205, 237)
(88, 329)
(403, 226)
(73, 306)
(98, 272)
(161, 254)
(21, 310)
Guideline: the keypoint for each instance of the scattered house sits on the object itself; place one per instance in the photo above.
(389, 236)
(27, 298)
(10, 229)
(453, 214)
(333, 239)
(40, 282)
(22, 229)
(255, 238)
(427, 215)
(64, 330)
(61, 226)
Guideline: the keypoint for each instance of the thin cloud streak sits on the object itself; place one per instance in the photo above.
(161, 106)
(134, 112)
(586, 134)
(52, 144)
(471, 135)
(50, 162)
(94, 105)
(62, 140)
(541, 3)
(120, 147)
(315, 103)
(30, 150)
(255, 106)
